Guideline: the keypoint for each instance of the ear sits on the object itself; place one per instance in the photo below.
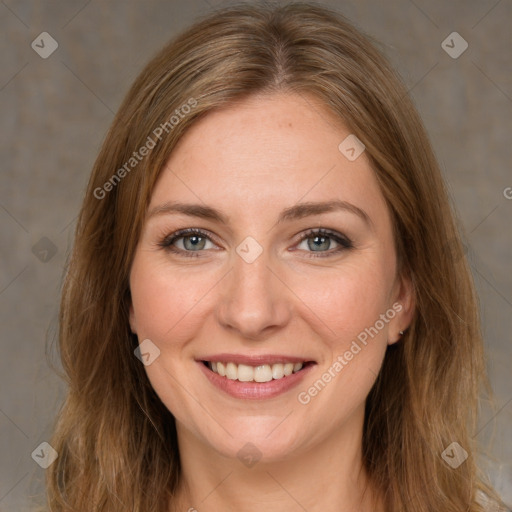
(404, 303)
(133, 325)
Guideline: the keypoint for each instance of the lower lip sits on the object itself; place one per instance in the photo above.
(254, 390)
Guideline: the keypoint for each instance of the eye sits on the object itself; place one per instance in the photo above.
(191, 241)
(321, 240)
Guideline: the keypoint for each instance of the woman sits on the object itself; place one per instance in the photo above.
(268, 305)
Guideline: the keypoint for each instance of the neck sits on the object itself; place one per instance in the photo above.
(328, 477)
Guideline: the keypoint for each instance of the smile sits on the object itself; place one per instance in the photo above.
(259, 373)
(257, 377)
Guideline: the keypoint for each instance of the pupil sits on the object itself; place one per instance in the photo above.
(320, 242)
(193, 241)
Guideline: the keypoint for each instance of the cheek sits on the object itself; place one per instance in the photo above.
(348, 300)
(164, 300)
(338, 304)
(350, 304)
(167, 307)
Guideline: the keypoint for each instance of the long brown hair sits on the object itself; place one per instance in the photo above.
(116, 441)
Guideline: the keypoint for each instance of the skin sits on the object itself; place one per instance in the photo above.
(251, 161)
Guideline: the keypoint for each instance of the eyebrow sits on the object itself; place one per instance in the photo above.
(295, 212)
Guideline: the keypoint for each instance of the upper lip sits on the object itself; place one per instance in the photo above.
(255, 360)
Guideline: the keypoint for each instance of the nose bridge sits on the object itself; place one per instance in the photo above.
(254, 299)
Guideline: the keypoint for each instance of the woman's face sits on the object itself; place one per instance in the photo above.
(255, 288)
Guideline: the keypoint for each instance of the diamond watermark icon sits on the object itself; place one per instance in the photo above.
(147, 352)
(44, 45)
(351, 147)
(454, 455)
(44, 249)
(44, 455)
(454, 45)
(249, 454)
(249, 249)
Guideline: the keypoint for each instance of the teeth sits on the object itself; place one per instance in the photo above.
(232, 371)
(288, 369)
(221, 369)
(263, 373)
(246, 373)
(277, 371)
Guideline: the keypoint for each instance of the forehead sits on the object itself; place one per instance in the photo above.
(267, 152)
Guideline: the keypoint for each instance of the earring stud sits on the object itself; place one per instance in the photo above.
(401, 333)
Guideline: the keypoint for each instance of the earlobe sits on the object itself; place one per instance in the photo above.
(406, 298)
(131, 317)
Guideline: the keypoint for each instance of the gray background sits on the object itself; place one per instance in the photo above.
(56, 111)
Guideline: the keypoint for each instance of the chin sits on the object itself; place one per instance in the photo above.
(264, 439)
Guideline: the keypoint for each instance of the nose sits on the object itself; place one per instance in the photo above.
(254, 301)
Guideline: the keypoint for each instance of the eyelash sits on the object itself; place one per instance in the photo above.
(344, 242)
